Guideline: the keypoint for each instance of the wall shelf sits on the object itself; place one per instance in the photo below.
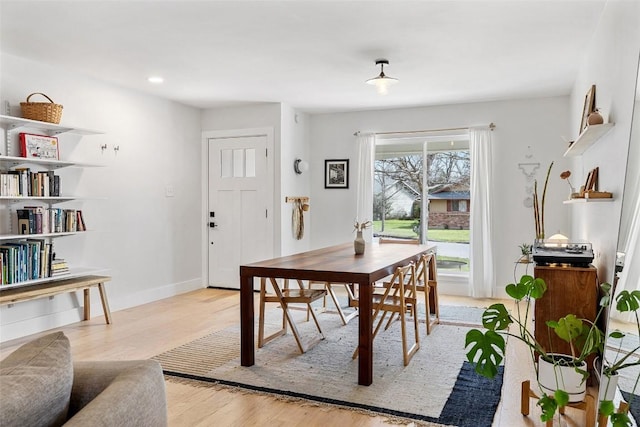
(14, 123)
(587, 138)
(73, 272)
(575, 201)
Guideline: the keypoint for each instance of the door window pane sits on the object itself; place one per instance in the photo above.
(226, 163)
(238, 163)
(250, 163)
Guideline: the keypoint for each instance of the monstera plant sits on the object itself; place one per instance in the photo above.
(626, 302)
(486, 349)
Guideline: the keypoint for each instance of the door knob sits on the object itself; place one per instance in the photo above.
(212, 225)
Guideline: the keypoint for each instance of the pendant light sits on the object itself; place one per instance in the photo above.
(382, 81)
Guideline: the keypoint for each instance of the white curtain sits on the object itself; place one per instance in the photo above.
(482, 274)
(364, 196)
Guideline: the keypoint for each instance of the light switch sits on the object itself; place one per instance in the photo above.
(169, 191)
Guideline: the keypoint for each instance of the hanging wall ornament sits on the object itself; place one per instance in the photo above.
(529, 171)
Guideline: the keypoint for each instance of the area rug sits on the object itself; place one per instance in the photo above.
(438, 387)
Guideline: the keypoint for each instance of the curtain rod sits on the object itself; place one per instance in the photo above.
(492, 126)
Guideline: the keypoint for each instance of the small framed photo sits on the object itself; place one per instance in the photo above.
(39, 147)
(336, 173)
(589, 107)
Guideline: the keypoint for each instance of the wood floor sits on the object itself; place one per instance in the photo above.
(144, 331)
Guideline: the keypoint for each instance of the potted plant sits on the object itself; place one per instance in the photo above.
(626, 302)
(525, 250)
(486, 350)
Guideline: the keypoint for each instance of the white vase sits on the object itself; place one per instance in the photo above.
(553, 377)
(358, 243)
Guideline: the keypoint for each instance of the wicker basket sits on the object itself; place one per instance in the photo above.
(42, 111)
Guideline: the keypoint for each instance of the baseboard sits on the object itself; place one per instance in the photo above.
(43, 322)
(452, 284)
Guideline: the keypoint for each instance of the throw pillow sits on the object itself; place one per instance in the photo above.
(36, 382)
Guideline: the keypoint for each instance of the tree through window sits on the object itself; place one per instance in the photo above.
(399, 189)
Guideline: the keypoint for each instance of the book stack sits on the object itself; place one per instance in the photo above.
(59, 267)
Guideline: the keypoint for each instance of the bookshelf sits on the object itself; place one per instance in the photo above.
(17, 194)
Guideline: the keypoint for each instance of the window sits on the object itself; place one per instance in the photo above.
(402, 191)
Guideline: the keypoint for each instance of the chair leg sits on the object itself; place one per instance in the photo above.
(407, 353)
(333, 296)
(262, 340)
(431, 305)
(375, 331)
(294, 328)
(261, 318)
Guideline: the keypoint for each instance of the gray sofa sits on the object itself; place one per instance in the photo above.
(41, 386)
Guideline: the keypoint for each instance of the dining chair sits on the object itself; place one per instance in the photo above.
(328, 286)
(400, 297)
(426, 282)
(286, 296)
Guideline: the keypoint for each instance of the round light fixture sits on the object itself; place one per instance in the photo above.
(300, 166)
(382, 81)
(155, 79)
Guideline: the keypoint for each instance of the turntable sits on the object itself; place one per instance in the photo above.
(564, 254)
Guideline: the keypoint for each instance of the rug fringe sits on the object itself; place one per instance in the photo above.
(305, 402)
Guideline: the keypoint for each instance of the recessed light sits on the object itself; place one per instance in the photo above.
(155, 79)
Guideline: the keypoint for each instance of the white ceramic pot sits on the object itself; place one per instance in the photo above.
(608, 386)
(553, 377)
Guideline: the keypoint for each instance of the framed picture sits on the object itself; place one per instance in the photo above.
(589, 106)
(39, 146)
(336, 173)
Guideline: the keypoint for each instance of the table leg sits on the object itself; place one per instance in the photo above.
(365, 341)
(87, 304)
(105, 303)
(247, 346)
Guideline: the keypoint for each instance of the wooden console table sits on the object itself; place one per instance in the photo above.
(84, 283)
(570, 290)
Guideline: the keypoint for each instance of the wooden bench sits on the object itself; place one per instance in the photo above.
(49, 289)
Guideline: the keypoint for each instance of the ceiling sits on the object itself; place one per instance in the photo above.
(311, 55)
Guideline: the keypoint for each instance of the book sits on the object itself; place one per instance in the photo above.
(41, 220)
(26, 221)
(80, 222)
(39, 146)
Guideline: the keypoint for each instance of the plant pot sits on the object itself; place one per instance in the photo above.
(552, 376)
(608, 386)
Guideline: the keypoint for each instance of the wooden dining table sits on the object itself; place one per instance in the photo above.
(337, 264)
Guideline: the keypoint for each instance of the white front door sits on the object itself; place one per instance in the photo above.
(240, 217)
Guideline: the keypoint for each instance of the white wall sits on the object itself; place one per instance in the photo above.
(294, 145)
(535, 123)
(611, 64)
(150, 243)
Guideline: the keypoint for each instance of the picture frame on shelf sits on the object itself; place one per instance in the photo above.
(336, 173)
(588, 108)
(34, 146)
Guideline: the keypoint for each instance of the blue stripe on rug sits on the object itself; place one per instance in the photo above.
(472, 402)
(474, 399)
